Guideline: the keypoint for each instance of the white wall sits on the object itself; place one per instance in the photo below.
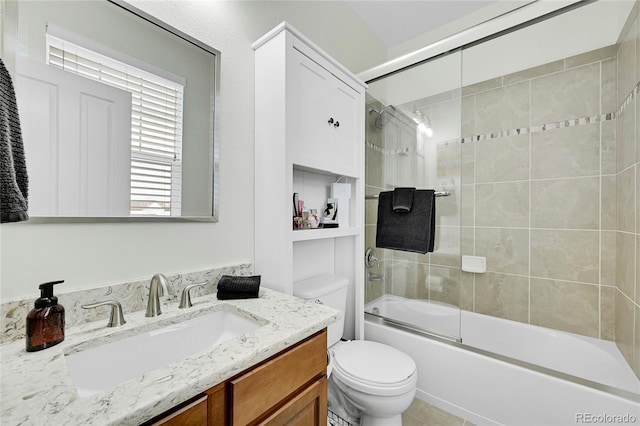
(92, 255)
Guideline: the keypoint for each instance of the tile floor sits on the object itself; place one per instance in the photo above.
(422, 414)
(418, 414)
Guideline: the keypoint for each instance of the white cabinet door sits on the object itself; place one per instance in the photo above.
(322, 118)
(307, 122)
(341, 138)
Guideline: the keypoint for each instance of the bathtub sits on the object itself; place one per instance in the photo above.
(506, 372)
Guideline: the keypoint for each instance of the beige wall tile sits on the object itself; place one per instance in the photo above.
(506, 250)
(626, 64)
(502, 159)
(607, 313)
(444, 285)
(625, 137)
(503, 296)
(447, 246)
(608, 206)
(410, 280)
(608, 147)
(467, 205)
(626, 203)
(569, 94)
(503, 108)
(638, 198)
(591, 56)
(374, 171)
(468, 170)
(608, 258)
(468, 116)
(533, 72)
(565, 255)
(503, 205)
(483, 86)
(637, 263)
(565, 203)
(466, 290)
(636, 345)
(608, 101)
(626, 263)
(448, 209)
(625, 326)
(566, 306)
(566, 152)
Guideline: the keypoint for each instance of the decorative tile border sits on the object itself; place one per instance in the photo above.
(523, 130)
(131, 295)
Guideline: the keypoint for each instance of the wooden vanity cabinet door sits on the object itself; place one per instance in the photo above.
(308, 408)
(258, 392)
(194, 413)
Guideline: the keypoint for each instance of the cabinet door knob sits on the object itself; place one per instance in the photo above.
(330, 120)
(337, 124)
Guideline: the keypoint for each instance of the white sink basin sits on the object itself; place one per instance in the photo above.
(103, 367)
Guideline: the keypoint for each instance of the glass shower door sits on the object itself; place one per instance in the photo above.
(413, 139)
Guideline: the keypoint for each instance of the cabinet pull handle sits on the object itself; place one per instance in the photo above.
(337, 124)
(330, 120)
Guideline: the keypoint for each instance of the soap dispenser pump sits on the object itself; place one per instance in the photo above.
(45, 322)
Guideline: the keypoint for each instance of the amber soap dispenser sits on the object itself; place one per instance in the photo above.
(45, 322)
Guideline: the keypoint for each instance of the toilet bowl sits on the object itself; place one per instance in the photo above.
(369, 383)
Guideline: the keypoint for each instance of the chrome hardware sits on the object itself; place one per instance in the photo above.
(157, 288)
(330, 120)
(374, 277)
(185, 297)
(437, 194)
(337, 124)
(116, 318)
(318, 302)
(371, 259)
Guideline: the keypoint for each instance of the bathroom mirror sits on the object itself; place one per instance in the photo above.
(118, 112)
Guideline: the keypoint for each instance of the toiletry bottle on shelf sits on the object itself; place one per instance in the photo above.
(45, 322)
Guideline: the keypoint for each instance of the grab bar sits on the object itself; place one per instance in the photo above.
(437, 194)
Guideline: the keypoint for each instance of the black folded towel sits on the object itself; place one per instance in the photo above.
(412, 230)
(403, 199)
(238, 287)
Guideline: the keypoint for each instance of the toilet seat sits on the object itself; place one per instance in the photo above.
(374, 368)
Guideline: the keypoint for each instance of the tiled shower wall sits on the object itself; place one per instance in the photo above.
(540, 205)
(548, 207)
(627, 235)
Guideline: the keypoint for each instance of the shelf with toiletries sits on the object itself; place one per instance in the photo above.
(309, 168)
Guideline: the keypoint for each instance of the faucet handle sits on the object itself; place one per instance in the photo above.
(185, 298)
(116, 318)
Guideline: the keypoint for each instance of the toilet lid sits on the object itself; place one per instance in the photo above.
(374, 368)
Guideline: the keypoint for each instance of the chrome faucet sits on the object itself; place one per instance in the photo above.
(157, 288)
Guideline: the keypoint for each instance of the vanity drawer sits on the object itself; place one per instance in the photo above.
(257, 392)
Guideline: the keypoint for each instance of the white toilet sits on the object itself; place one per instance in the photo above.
(369, 382)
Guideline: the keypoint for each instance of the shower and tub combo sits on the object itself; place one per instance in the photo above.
(529, 131)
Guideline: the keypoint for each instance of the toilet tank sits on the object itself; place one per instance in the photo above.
(330, 290)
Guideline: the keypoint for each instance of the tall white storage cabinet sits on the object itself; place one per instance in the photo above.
(309, 133)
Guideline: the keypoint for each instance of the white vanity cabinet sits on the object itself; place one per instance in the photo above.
(309, 133)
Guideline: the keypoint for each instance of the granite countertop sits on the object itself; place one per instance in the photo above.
(37, 389)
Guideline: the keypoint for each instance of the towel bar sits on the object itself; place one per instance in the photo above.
(438, 194)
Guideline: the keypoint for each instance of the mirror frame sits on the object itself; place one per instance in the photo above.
(215, 139)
